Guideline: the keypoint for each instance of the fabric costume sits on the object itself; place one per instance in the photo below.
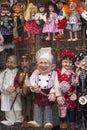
(26, 99)
(13, 115)
(50, 27)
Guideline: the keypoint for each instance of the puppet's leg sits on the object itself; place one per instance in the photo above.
(48, 37)
(76, 37)
(71, 36)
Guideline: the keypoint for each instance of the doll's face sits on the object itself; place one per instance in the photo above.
(44, 66)
(83, 64)
(42, 9)
(72, 5)
(11, 62)
(25, 64)
(59, 5)
(67, 64)
(51, 8)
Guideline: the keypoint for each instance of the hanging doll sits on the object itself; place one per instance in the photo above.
(61, 18)
(6, 22)
(1, 42)
(40, 16)
(30, 26)
(18, 18)
(50, 22)
(73, 21)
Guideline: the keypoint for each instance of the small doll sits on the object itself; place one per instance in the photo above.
(73, 21)
(61, 18)
(1, 42)
(30, 26)
(40, 16)
(50, 22)
(18, 18)
(42, 81)
(66, 102)
(80, 81)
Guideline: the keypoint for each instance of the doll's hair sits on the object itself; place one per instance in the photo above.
(28, 9)
(50, 4)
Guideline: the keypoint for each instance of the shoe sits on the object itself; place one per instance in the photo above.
(17, 124)
(27, 38)
(24, 124)
(33, 124)
(48, 38)
(48, 125)
(78, 125)
(15, 40)
(74, 39)
(7, 123)
(69, 40)
(33, 41)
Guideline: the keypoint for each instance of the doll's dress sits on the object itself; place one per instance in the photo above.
(74, 19)
(31, 25)
(51, 26)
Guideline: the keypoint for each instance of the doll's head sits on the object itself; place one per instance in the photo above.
(51, 6)
(31, 9)
(12, 62)
(41, 7)
(44, 60)
(61, 3)
(67, 59)
(81, 61)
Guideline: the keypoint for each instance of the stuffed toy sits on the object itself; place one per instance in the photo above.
(18, 18)
(30, 26)
(6, 22)
(73, 21)
(61, 18)
(40, 16)
(50, 22)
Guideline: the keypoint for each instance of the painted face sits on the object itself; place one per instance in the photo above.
(11, 62)
(25, 64)
(59, 5)
(51, 8)
(67, 64)
(83, 64)
(44, 66)
(42, 9)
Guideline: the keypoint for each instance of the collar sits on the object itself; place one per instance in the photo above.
(64, 71)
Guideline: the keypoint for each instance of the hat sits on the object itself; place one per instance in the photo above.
(42, 4)
(25, 57)
(67, 53)
(44, 53)
(80, 56)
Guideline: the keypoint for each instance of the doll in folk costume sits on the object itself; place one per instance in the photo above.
(18, 18)
(66, 102)
(1, 42)
(30, 26)
(40, 18)
(73, 21)
(50, 22)
(42, 81)
(61, 18)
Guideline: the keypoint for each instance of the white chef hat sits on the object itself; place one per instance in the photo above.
(44, 53)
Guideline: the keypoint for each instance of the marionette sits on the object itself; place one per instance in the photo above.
(40, 16)
(6, 22)
(30, 26)
(61, 18)
(50, 22)
(73, 21)
(18, 18)
(80, 81)
(1, 42)
(66, 102)
(42, 81)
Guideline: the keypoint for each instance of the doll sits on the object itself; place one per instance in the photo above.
(42, 81)
(1, 42)
(40, 16)
(18, 18)
(50, 22)
(66, 102)
(6, 22)
(80, 81)
(73, 21)
(30, 26)
(61, 18)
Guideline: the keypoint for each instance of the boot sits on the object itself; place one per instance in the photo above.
(72, 126)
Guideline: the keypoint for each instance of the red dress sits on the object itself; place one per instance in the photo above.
(64, 77)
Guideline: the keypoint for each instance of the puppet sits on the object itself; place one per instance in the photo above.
(30, 26)
(50, 22)
(18, 18)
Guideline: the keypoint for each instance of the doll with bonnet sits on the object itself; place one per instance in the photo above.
(30, 26)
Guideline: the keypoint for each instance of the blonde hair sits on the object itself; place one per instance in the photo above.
(28, 10)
